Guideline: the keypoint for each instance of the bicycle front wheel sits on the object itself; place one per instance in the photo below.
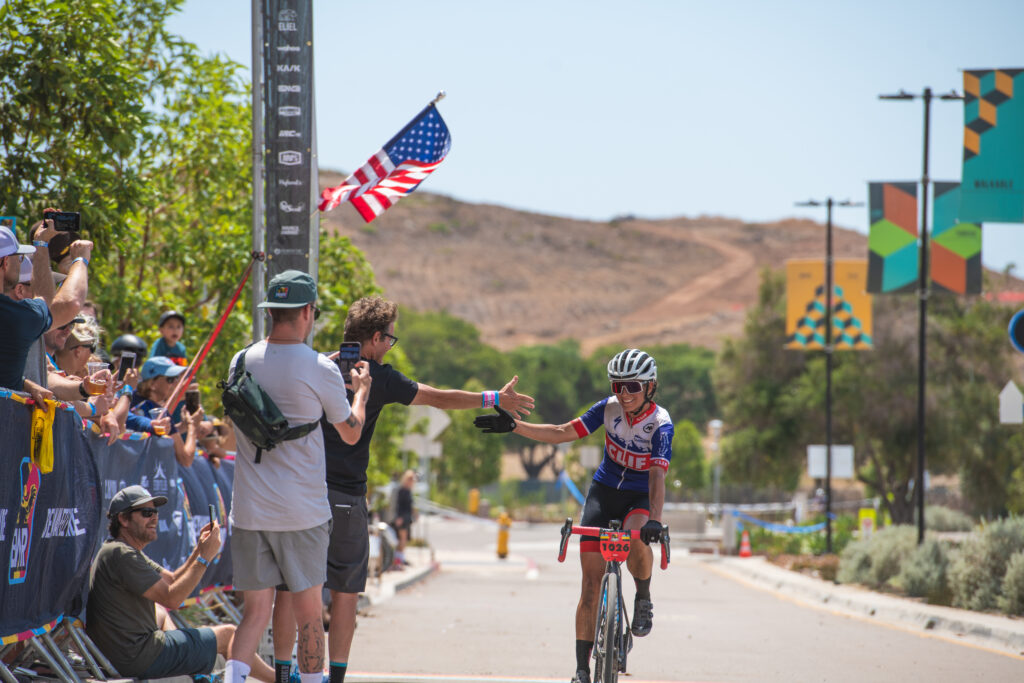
(606, 638)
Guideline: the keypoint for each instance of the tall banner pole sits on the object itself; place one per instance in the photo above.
(258, 272)
(288, 134)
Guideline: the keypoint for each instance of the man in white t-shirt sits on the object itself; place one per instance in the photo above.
(280, 513)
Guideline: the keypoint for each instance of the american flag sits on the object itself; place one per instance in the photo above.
(395, 171)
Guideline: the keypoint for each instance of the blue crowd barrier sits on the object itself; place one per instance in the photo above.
(53, 522)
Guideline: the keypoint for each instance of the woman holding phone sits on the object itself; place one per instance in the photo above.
(159, 376)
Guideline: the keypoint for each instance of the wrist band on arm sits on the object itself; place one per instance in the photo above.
(82, 259)
(489, 398)
(202, 560)
(40, 243)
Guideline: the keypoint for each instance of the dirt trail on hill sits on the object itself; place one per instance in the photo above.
(686, 306)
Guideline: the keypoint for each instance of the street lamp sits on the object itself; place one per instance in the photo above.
(828, 203)
(715, 427)
(922, 291)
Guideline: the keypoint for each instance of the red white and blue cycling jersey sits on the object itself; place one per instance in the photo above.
(632, 446)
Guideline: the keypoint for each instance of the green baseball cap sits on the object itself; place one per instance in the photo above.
(290, 289)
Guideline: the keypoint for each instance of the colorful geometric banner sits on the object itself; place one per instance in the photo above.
(892, 238)
(993, 173)
(805, 305)
(955, 246)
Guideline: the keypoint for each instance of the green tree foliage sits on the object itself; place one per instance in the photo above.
(688, 464)
(470, 457)
(105, 112)
(447, 351)
(561, 384)
(753, 381)
(773, 401)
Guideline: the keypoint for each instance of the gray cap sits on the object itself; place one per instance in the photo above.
(132, 497)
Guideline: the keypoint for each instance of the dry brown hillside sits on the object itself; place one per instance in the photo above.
(526, 278)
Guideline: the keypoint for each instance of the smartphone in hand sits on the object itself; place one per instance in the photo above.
(127, 363)
(213, 513)
(348, 356)
(64, 221)
(192, 401)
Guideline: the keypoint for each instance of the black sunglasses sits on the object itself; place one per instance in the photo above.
(392, 339)
(316, 313)
(147, 512)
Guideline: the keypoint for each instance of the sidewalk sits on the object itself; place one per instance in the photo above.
(991, 631)
(421, 565)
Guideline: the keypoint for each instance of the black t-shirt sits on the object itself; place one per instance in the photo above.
(346, 465)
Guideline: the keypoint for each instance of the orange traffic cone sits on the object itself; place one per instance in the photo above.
(745, 544)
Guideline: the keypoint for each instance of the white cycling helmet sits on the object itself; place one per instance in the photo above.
(632, 364)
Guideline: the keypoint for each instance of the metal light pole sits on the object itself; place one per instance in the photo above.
(828, 203)
(716, 434)
(258, 268)
(922, 294)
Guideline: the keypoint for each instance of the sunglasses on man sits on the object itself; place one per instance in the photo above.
(147, 512)
(629, 386)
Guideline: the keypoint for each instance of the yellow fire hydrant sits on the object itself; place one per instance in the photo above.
(474, 501)
(504, 522)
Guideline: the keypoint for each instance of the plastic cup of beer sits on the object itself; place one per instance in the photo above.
(156, 414)
(94, 386)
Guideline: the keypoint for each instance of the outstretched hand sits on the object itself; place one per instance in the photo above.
(519, 405)
(501, 423)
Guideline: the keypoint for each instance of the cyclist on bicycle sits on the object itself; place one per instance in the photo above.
(629, 485)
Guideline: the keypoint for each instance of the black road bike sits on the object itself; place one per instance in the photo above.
(612, 637)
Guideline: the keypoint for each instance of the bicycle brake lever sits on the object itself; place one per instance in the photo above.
(665, 548)
(566, 533)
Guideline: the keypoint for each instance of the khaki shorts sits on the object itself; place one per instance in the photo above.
(265, 559)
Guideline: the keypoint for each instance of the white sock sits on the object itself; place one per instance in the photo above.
(315, 677)
(236, 671)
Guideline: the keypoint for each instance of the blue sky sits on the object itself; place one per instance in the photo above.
(594, 109)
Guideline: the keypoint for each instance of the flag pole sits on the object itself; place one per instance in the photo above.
(441, 94)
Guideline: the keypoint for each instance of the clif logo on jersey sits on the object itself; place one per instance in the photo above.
(21, 537)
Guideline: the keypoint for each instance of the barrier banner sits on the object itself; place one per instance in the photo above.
(49, 520)
(993, 171)
(892, 237)
(150, 463)
(202, 490)
(955, 246)
(805, 305)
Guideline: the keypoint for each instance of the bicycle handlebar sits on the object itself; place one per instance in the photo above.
(568, 529)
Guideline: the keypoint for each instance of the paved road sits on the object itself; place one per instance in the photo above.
(480, 618)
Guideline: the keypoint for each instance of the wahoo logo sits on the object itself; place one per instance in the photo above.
(21, 536)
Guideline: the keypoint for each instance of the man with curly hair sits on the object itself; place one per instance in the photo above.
(371, 322)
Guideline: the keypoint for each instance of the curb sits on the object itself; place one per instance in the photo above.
(388, 590)
(1002, 633)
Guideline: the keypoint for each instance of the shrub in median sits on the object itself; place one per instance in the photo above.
(1012, 599)
(875, 561)
(976, 572)
(941, 518)
(924, 572)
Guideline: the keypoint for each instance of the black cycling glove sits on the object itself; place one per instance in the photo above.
(496, 424)
(651, 532)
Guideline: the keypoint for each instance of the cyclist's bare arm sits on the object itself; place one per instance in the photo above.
(351, 428)
(656, 491)
(546, 433)
(518, 404)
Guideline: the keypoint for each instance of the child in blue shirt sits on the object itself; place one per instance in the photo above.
(172, 328)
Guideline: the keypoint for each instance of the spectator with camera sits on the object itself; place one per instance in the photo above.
(23, 321)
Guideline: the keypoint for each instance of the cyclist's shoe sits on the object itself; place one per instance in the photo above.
(643, 617)
(582, 676)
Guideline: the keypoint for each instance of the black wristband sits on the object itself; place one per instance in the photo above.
(82, 391)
